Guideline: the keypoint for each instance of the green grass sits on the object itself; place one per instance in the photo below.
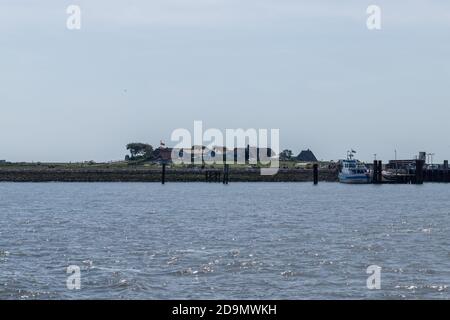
(133, 164)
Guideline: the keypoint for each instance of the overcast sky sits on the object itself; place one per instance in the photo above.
(137, 70)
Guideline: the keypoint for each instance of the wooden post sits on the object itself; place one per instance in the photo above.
(225, 173)
(316, 173)
(419, 171)
(375, 172)
(380, 171)
(228, 171)
(163, 175)
(445, 171)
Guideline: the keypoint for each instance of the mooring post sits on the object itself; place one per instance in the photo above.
(316, 173)
(380, 171)
(445, 179)
(419, 171)
(375, 172)
(163, 174)
(228, 171)
(421, 168)
(225, 173)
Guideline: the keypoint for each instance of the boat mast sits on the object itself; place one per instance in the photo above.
(350, 154)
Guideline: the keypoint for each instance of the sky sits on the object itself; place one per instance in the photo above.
(139, 69)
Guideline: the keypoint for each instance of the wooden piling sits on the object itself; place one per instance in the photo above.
(225, 173)
(445, 177)
(380, 171)
(375, 172)
(316, 173)
(228, 173)
(163, 174)
(419, 171)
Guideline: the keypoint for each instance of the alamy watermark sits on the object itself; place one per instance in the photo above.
(73, 281)
(374, 280)
(373, 21)
(73, 21)
(236, 146)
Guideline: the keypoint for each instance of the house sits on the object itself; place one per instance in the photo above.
(198, 154)
(162, 154)
(306, 156)
(194, 154)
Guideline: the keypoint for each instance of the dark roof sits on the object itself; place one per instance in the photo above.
(306, 156)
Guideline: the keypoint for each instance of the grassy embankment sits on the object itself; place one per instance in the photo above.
(147, 172)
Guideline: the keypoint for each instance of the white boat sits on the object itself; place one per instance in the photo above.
(352, 170)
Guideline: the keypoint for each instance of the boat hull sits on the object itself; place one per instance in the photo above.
(354, 179)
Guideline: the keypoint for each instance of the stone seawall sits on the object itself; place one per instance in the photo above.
(154, 175)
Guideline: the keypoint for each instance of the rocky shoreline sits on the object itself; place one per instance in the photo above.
(154, 175)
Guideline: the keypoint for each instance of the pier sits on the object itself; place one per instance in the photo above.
(419, 175)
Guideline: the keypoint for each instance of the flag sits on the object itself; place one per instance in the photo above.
(162, 144)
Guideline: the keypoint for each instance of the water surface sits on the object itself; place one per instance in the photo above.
(241, 241)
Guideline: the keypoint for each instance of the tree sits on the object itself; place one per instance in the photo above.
(286, 155)
(140, 150)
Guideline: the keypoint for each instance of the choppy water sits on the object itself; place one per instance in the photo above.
(244, 240)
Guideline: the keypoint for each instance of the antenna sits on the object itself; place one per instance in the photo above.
(350, 154)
